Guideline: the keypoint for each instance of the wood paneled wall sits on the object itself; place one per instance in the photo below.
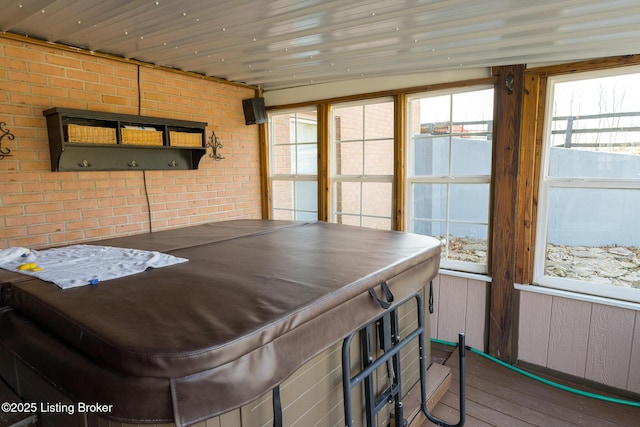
(460, 305)
(596, 342)
(584, 339)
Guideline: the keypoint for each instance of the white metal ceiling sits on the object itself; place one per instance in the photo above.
(277, 44)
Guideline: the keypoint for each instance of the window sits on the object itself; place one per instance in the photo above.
(588, 232)
(294, 165)
(363, 151)
(449, 173)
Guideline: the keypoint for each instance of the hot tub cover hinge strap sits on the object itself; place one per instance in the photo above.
(277, 407)
(387, 295)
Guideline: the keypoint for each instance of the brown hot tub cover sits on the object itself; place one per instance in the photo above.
(187, 342)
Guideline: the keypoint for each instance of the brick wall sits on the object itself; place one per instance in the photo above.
(40, 208)
(368, 198)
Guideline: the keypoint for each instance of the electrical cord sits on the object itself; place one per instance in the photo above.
(146, 193)
(540, 379)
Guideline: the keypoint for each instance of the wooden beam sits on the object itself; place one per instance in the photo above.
(506, 152)
(263, 141)
(399, 169)
(265, 170)
(324, 156)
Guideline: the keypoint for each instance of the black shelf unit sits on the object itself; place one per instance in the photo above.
(115, 155)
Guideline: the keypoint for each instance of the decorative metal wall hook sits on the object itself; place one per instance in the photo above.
(215, 144)
(510, 82)
(4, 151)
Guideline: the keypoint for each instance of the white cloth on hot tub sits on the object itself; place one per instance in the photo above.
(80, 265)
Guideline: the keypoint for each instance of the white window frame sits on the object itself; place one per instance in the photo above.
(547, 183)
(293, 178)
(411, 179)
(362, 179)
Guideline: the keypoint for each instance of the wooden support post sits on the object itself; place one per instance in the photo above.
(264, 155)
(399, 169)
(503, 309)
(263, 141)
(324, 160)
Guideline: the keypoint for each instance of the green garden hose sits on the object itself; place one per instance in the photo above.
(540, 379)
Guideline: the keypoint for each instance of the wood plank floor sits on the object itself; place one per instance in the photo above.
(498, 396)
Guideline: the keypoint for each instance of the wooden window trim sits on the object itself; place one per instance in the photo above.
(534, 105)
